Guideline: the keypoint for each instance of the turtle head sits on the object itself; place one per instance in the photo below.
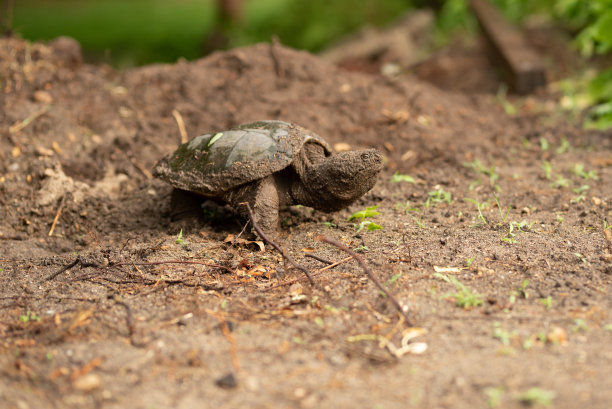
(333, 182)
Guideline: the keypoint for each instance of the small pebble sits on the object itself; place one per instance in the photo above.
(88, 382)
(227, 381)
(43, 97)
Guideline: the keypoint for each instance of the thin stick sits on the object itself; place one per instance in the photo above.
(181, 125)
(57, 216)
(80, 261)
(371, 276)
(20, 125)
(316, 273)
(276, 246)
(280, 72)
(230, 338)
(322, 260)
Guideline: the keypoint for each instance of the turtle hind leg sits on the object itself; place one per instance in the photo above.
(263, 199)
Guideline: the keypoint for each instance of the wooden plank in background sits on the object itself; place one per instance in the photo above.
(523, 68)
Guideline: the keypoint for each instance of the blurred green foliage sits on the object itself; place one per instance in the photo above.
(589, 21)
(137, 32)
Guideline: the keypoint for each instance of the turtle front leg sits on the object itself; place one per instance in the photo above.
(263, 198)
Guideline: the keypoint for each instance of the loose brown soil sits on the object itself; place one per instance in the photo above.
(144, 320)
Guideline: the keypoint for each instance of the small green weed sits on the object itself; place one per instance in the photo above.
(179, 238)
(464, 296)
(29, 316)
(544, 145)
(513, 228)
(363, 214)
(564, 147)
(469, 261)
(580, 257)
(438, 196)
(503, 335)
(494, 395)
(520, 292)
(560, 182)
(398, 177)
(547, 167)
(547, 302)
(329, 225)
(536, 396)
(580, 325)
(580, 192)
(478, 167)
(361, 249)
(367, 212)
(480, 207)
(502, 99)
(578, 170)
(406, 207)
(419, 222)
(501, 212)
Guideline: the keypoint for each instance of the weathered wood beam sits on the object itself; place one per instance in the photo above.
(523, 68)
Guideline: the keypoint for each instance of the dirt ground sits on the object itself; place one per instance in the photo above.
(508, 293)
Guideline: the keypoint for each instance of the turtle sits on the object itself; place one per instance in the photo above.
(270, 164)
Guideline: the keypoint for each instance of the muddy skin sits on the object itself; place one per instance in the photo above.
(315, 177)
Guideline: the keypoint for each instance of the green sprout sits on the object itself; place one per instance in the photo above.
(329, 224)
(480, 207)
(501, 212)
(547, 167)
(501, 334)
(564, 147)
(515, 227)
(547, 302)
(578, 170)
(537, 396)
(560, 182)
(367, 212)
(580, 257)
(398, 177)
(406, 207)
(179, 238)
(580, 325)
(29, 317)
(494, 395)
(464, 296)
(478, 167)
(438, 196)
(544, 145)
(469, 261)
(363, 214)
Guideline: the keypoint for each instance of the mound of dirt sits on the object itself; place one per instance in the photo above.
(499, 202)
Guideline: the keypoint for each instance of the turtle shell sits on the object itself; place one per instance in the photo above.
(211, 164)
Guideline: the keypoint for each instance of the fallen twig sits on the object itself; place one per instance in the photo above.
(80, 261)
(181, 125)
(316, 273)
(280, 72)
(368, 272)
(276, 246)
(225, 330)
(57, 216)
(322, 260)
(20, 125)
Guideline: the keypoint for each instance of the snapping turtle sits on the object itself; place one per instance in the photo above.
(270, 164)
